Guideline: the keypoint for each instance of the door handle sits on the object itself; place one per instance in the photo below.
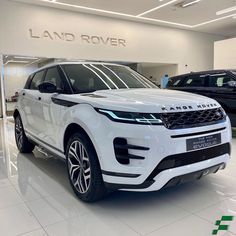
(39, 98)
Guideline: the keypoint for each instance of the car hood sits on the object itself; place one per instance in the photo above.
(144, 100)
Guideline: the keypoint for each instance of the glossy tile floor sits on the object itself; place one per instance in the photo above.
(36, 200)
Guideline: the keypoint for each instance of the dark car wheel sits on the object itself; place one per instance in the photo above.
(22, 142)
(83, 168)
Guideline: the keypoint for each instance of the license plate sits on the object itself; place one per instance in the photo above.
(203, 142)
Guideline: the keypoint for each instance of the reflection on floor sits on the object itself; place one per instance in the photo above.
(36, 200)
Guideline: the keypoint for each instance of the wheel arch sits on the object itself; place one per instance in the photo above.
(224, 106)
(16, 113)
(72, 129)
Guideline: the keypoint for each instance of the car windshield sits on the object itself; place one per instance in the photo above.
(86, 78)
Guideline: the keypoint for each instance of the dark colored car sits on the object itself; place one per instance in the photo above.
(217, 84)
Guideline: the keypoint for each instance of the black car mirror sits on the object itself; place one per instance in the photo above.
(232, 84)
(47, 87)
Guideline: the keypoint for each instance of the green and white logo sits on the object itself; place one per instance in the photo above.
(223, 224)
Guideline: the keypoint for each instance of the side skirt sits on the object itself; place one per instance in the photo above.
(48, 148)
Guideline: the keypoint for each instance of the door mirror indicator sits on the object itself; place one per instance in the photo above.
(47, 87)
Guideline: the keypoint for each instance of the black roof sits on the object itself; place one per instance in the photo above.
(206, 72)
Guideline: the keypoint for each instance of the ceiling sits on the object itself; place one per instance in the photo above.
(211, 16)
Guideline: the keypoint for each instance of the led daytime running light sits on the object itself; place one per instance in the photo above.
(139, 118)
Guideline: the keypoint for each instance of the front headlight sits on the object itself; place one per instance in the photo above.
(223, 112)
(131, 117)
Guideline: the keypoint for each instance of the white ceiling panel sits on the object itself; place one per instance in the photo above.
(225, 27)
(199, 17)
(196, 14)
(132, 7)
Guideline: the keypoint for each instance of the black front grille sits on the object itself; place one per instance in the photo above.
(178, 120)
(189, 158)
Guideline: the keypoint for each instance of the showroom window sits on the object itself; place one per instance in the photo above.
(54, 77)
(37, 79)
(219, 80)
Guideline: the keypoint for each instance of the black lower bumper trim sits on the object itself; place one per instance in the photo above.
(193, 176)
(173, 182)
(145, 184)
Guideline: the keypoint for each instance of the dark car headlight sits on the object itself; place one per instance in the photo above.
(223, 112)
(131, 117)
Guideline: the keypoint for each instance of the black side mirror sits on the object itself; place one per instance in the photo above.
(47, 87)
(232, 84)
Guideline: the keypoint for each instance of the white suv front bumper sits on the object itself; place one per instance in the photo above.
(136, 175)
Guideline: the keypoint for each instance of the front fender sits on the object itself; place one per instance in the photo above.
(87, 118)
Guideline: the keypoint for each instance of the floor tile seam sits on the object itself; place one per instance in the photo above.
(168, 224)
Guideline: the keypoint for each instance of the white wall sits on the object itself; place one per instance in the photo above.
(225, 54)
(144, 42)
(1, 88)
(15, 76)
(157, 72)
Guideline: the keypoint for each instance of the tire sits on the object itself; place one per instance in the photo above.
(86, 178)
(22, 142)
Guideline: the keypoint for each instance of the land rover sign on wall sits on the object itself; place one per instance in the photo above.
(77, 37)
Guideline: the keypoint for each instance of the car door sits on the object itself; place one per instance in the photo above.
(221, 91)
(51, 112)
(31, 109)
(194, 83)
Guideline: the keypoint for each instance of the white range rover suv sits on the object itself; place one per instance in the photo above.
(117, 130)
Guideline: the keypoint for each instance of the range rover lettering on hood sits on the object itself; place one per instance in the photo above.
(184, 108)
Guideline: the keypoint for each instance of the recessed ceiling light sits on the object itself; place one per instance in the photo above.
(211, 21)
(227, 10)
(28, 58)
(117, 13)
(158, 7)
(190, 3)
(15, 61)
(139, 17)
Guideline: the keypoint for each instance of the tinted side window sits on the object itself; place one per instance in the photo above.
(194, 81)
(37, 79)
(54, 77)
(219, 80)
(175, 82)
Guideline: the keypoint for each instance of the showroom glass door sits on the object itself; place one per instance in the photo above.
(15, 71)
